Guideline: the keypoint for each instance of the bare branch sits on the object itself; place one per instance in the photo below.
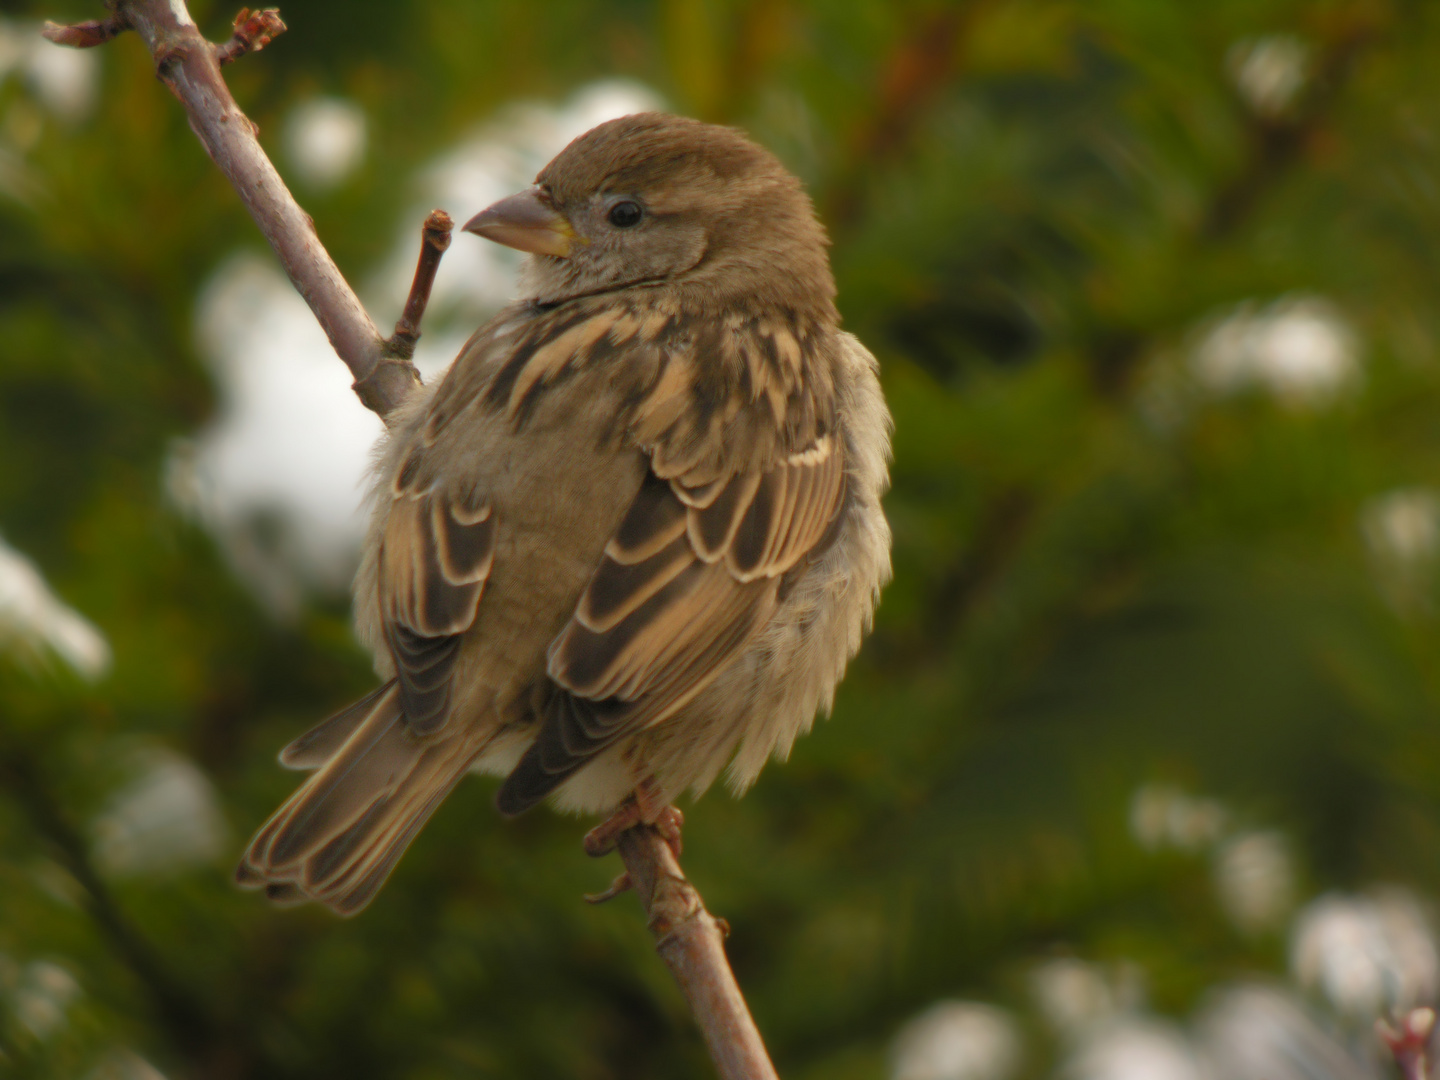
(86, 35)
(190, 66)
(691, 942)
(253, 31)
(434, 241)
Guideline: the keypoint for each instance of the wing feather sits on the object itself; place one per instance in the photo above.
(618, 589)
(713, 527)
(435, 558)
(691, 575)
(653, 521)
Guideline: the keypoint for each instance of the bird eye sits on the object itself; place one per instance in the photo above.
(623, 215)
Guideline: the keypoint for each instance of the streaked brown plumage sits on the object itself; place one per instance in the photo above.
(634, 533)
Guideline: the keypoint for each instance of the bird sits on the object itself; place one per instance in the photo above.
(630, 539)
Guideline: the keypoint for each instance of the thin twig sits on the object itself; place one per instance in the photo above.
(253, 30)
(691, 942)
(86, 35)
(189, 65)
(434, 240)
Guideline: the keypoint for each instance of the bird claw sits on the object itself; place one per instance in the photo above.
(636, 810)
(619, 885)
(668, 824)
(605, 837)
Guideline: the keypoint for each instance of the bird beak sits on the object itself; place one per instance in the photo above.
(525, 221)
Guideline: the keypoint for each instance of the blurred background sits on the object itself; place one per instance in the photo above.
(1138, 777)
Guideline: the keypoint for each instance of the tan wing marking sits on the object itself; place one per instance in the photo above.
(658, 641)
(548, 361)
(690, 587)
(435, 558)
(712, 528)
(618, 589)
(464, 542)
(653, 521)
(698, 495)
(791, 509)
(666, 401)
(653, 595)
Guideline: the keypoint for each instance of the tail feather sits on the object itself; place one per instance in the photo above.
(339, 836)
(341, 793)
(362, 877)
(323, 741)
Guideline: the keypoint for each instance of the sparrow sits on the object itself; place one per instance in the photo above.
(634, 534)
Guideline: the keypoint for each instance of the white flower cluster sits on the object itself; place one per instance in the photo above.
(325, 140)
(1269, 72)
(35, 623)
(1300, 348)
(165, 817)
(1353, 959)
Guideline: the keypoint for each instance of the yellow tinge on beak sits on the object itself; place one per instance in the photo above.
(527, 222)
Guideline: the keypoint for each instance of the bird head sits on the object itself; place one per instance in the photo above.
(653, 200)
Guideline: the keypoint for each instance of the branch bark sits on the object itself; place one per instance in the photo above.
(434, 241)
(688, 938)
(190, 66)
(691, 942)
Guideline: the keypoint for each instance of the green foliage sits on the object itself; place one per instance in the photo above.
(1109, 572)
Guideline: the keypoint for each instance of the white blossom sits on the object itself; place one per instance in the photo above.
(63, 80)
(1259, 1033)
(1402, 532)
(1269, 72)
(34, 622)
(1134, 1049)
(1366, 954)
(1075, 996)
(1255, 880)
(167, 816)
(957, 1040)
(325, 140)
(1299, 348)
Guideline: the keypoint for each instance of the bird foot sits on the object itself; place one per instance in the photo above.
(619, 885)
(668, 824)
(666, 820)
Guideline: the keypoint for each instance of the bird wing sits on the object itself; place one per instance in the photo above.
(687, 576)
(435, 556)
(338, 837)
(694, 570)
